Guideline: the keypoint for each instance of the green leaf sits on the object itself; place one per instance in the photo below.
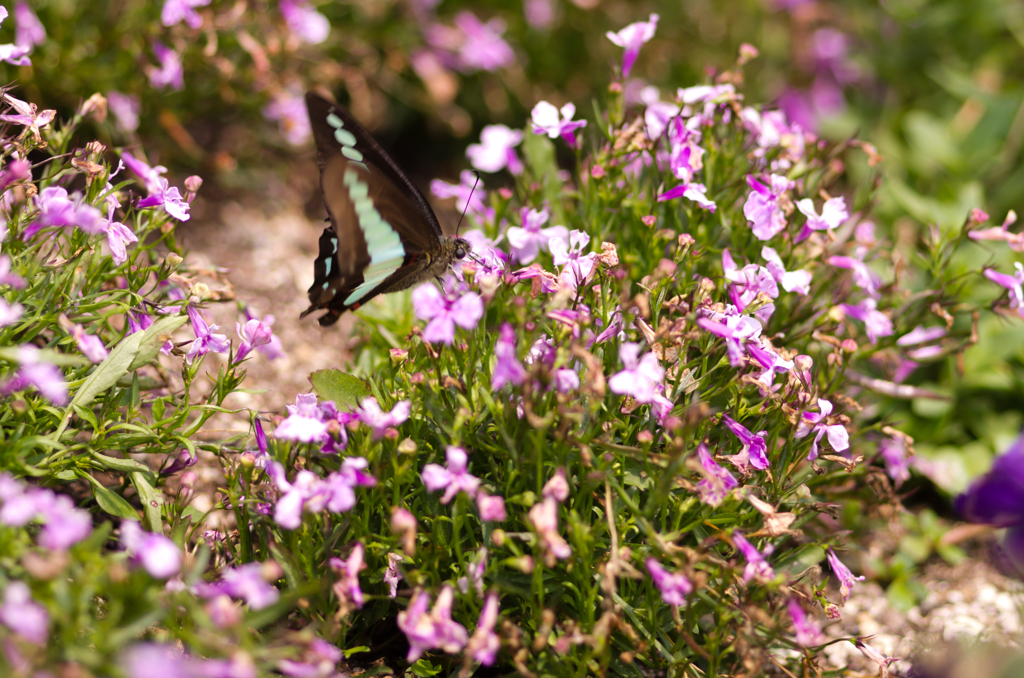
(540, 158)
(106, 374)
(154, 338)
(152, 501)
(13, 354)
(112, 502)
(115, 464)
(344, 389)
(423, 668)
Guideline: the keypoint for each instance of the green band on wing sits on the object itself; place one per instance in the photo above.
(349, 152)
(334, 121)
(385, 248)
(344, 137)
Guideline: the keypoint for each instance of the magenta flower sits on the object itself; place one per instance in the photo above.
(160, 191)
(63, 523)
(833, 214)
(997, 498)
(435, 629)
(119, 237)
(770, 361)
(305, 22)
(807, 631)
(838, 438)
(717, 481)
(10, 313)
(791, 281)
(894, 453)
(920, 335)
(544, 516)
(150, 176)
(45, 377)
(876, 323)
(576, 266)
(28, 30)
(863, 277)
(496, 150)
(757, 565)
(126, 109)
(90, 345)
(1015, 241)
(469, 194)
(483, 646)
(747, 283)
(674, 586)
(566, 380)
(274, 349)
(457, 305)
(530, 239)
(341, 484)
(482, 47)
(557, 486)
(370, 414)
(392, 575)
(14, 54)
(57, 208)
(347, 587)
(169, 73)
(754, 446)
(640, 378)
(288, 109)
(176, 11)
(160, 556)
(305, 422)
(1012, 283)
(23, 615)
(631, 38)
(657, 113)
(8, 278)
(843, 574)
(507, 369)
(492, 507)
(762, 207)
(475, 573)
(454, 478)
(253, 333)
(695, 192)
(16, 170)
(245, 582)
(546, 120)
(206, 339)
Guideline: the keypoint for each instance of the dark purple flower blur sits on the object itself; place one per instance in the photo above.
(997, 498)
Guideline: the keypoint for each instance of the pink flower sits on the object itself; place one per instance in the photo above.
(57, 208)
(876, 323)
(21, 614)
(557, 486)
(640, 378)
(546, 120)
(176, 11)
(373, 416)
(674, 587)
(119, 237)
(833, 214)
(305, 422)
(469, 193)
(1014, 240)
(717, 481)
(544, 517)
(1012, 283)
(843, 574)
(253, 333)
(8, 278)
(90, 345)
(347, 587)
(530, 239)
(762, 207)
(507, 369)
(492, 507)
(631, 38)
(306, 23)
(863, 277)
(747, 284)
(576, 266)
(454, 478)
(435, 629)
(457, 305)
(125, 109)
(757, 565)
(920, 335)
(838, 438)
(206, 338)
(246, 582)
(483, 646)
(28, 30)
(340, 485)
(807, 631)
(160, 556)
(894, 453)
(288, 109)
(169, 73)
(695, 192)
(391, 574)
(482, 47)
(754, 445)
(496, 151)
(48, 379)
(791, 281)
(10, 313)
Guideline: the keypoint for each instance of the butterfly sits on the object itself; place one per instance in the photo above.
(383, 235)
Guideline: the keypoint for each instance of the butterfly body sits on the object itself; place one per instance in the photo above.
(383, 236)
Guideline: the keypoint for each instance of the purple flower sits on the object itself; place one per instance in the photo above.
(997, 498)
(307, 492)
(762, 207)
(540, 14)
(631, 38)
(246, 582)
(640, 378)
(125, 108)
(64, 524)
(754, 445)
(791, 281)
(557, 486)
(507, 369)
(57, 208)
(526, 242)
(894, 453)
(342, 483)
(176, 11)
(305, 422)
(45, 377)
(695, 192)
(8, 278)
(14, 54)
(10, 313)
(496, 151)
(288, 109)
(391, 574)
(566, 380)
(150, 176)
(160, 556)
(757, 566)
(838, 438)
(843, 574)
(435, 629)
(184, 460)
(454, 478)
(16, 170)
(658, 113)
(1015, 241)
(483, 646)
(544, 516)
(833, 214)
(160, 191)
(482, 47)
(274, 349)
(169, 73)
(469, 193)
(747, 284)
(807, 631)
(546, 120)
(21, 614)
(90, 345)
(119, 237)
(370, 414)
(863, 277)
(876, 323)
(920, 335)
(206, 340)
(28, 30)
(674, 586)
(455, 306)
(717, 481)
(306, 23)
(253, 333)
(576, 266)
(492, 507)
(1012, 283)
(347, 587)
(770, 361)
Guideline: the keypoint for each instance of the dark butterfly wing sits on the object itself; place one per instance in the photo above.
(382, 228)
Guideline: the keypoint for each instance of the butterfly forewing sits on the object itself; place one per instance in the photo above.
(382, 228)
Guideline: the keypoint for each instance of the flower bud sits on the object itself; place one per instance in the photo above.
(96, 106)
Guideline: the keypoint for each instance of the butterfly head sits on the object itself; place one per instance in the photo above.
(462, 248)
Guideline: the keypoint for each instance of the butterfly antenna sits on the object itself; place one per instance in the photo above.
(472, 190)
